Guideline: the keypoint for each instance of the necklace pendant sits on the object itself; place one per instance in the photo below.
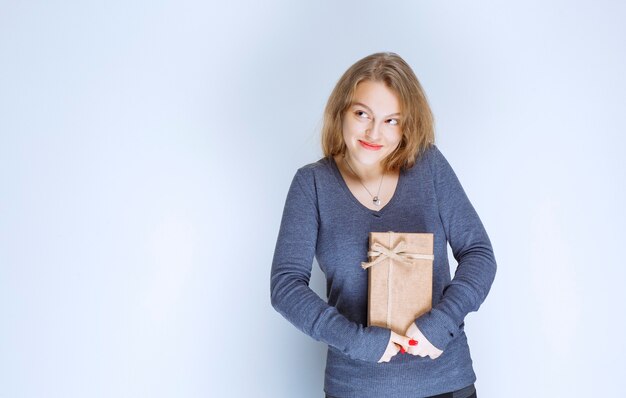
(376, 201)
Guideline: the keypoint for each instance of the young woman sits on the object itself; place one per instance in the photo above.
(381, 171)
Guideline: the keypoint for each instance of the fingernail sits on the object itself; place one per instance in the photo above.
(412, 342)
(402, 350)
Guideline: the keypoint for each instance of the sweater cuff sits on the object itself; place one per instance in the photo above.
(438, 328)
(373, 344)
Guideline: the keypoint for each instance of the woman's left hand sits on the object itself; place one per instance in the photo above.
(396, 343)
(423, 347)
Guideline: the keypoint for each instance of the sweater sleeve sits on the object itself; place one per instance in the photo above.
(291, 295)
(472, 250)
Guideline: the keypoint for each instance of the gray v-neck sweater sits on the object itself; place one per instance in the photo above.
(322, 218)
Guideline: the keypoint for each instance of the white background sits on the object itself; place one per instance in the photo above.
(146, 149)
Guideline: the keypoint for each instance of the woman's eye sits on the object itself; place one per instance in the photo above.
(361, 114)
(393, 122)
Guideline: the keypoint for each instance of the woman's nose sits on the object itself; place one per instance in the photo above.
(372, 130)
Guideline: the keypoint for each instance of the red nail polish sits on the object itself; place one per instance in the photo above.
(402, 350)
(412, 342)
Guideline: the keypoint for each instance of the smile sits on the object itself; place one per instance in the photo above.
(370, 146)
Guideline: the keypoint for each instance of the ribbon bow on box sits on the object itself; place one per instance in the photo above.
(398, 253)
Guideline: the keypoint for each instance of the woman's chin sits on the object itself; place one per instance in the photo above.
(366, 157)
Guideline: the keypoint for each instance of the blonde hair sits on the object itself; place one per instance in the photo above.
(417, 122)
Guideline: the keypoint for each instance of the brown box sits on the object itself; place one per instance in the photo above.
(400, 278)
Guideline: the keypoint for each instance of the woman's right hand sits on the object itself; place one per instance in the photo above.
(396, 343)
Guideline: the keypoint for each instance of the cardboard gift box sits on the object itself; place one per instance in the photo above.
(400, 278)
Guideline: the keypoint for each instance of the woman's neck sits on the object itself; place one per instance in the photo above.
(364, 172)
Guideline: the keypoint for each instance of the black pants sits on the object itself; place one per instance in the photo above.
(446, 395)
(449, 395)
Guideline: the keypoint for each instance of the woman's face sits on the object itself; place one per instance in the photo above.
(371, 125)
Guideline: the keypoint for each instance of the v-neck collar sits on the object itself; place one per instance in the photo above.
(346, 189)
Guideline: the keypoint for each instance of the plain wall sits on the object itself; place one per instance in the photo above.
(146, 149)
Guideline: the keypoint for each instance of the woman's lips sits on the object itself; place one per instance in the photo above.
(371, 147)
